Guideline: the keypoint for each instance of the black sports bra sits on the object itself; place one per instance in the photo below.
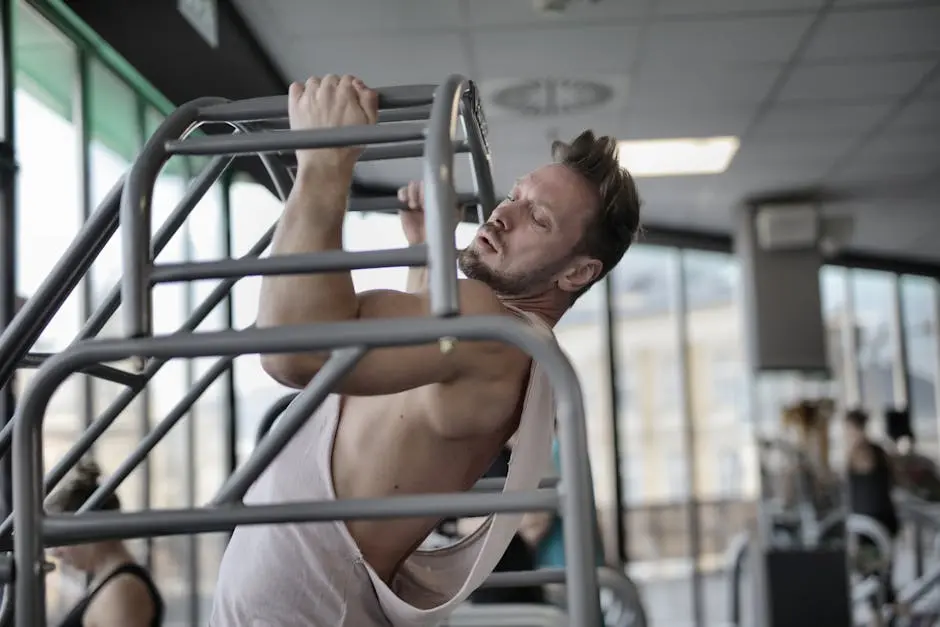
(75, 616)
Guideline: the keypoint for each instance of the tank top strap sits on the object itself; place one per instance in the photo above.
(141, 573)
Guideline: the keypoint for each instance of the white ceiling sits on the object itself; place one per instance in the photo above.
(840, 95)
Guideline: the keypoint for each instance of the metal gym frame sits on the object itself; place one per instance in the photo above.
(414, 121)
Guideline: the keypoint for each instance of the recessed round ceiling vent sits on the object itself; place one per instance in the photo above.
(552, 96)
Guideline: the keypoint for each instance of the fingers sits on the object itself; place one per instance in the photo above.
(412, 196)
(368, 100)
(294, 93)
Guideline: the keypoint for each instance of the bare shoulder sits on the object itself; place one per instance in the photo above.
(478, 298)
(125, 600)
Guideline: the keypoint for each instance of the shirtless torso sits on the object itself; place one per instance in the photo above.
(410, 443)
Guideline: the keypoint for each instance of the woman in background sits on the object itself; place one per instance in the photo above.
(121, 592)
(871, 481)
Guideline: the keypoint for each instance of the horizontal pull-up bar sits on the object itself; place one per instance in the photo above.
(277, 141)
(404, 150)
(301, 263)
(96, 526)
(274, 107)
(405, 114)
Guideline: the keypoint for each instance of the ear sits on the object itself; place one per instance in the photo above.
(581, 272)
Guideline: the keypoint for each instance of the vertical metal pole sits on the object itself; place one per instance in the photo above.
(231, 400)
(146, 420)
(685, 392)
(8, 227)
(189, 424)
(82, 115)
(935, 328)
(609, 333)
(899, 367)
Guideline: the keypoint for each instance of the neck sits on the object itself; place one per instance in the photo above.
(550, 306)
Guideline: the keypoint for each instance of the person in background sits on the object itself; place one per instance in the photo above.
(121, 593)
(544, 532)
(871, 480)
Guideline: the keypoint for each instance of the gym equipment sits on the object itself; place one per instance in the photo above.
(620, 599)
(128, 205)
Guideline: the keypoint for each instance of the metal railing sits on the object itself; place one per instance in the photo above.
(625, 605)
(129, 205)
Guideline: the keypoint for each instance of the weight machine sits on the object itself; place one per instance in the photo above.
(414, 121)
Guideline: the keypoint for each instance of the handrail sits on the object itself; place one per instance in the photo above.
(737, 554)
(623, 589)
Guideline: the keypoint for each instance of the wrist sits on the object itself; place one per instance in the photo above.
(324, 178)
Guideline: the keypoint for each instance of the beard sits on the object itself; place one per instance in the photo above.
(504, 284)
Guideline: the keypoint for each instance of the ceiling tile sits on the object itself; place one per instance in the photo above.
(671, 121)
(920, 116)
(795, 120)
(556, 52)
(302, 18)
(380, 60)
(876, 33)
(697, 7)
(503, 14)
(869, 81)
(691, 89)
(932, 89)
(701, 43)
(808, 152)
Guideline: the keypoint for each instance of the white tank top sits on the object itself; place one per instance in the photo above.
(314, 574)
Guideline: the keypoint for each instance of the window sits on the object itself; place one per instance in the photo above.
(676, 487)
(873, 294)
(919, 301)
(729, 474)
(115, 139)
(643, 290)
(634, 486)
(208, 424)
(579, 334)
(49, 214)
(253, 210)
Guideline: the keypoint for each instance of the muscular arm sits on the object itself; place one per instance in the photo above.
(312, 222)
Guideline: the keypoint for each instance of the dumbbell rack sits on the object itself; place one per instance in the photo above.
(414, 121)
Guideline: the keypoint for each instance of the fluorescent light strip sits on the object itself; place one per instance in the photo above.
(678, 157)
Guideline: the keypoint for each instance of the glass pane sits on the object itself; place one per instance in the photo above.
(254, 209)
(580, 334)
(726, 477)
(107, 164)
(873, 293)
(654, 461)
(919, 301)
(209, 422)
(171, 463)
(49, 215)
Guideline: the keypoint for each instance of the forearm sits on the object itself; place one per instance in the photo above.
(312, 222)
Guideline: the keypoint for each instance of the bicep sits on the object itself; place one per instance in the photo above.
(395, 369)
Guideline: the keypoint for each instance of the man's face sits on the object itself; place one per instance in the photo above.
(527, 246)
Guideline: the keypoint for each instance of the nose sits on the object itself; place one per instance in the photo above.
(501, 218)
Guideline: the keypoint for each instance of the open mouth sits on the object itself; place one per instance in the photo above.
(487, 243)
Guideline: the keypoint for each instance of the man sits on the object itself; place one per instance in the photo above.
(413, 420)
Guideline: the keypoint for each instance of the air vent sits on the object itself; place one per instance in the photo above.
(552, 96)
